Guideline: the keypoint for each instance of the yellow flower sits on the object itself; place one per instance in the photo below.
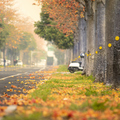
(109, 45)
(100, 47)
(117, 38)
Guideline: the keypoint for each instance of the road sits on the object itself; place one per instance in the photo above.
(12, 79)
(15, 71)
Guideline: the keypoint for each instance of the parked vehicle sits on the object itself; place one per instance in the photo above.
(19, 62)
(75, 66)
(8, 62)
(41, 63)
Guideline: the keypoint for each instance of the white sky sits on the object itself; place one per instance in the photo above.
(26, 8)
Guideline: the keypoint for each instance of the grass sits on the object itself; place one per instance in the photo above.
(62, 68)
(67, 94)
(90, 92)
(44, 90)
(35, 116)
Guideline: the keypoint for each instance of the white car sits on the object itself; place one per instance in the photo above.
(8, 62)
(19, 62)
(75, 66)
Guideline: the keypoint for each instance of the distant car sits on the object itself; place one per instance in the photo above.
(75, 66)
(38, 64)
(19, 62)
(8, 62)
(42, 63)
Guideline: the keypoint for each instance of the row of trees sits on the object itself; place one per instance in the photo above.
(94, 24)
(14, 37)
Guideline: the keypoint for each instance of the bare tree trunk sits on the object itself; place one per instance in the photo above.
(90, 37)
(71, 50)
(82, 40)
(116, 62)
(100, 71)
(69, 55)
(90, 44)
(96, 42)
(79, 47)
(65, 58)
(110, 38)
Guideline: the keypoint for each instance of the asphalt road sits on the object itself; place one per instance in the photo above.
(12, 79)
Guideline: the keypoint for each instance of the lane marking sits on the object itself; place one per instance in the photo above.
(42, 68)
(17, 75)
(9, 76)
(25, 73)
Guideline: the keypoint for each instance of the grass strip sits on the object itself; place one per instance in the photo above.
(62, 68)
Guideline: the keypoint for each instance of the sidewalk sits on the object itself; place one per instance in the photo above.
(66, 96)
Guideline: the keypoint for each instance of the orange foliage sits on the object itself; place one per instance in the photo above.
(65, 13)
(6, 10)
(26, 25)
(8, 16)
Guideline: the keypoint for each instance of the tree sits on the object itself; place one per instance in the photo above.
(3, 34)
(65, 13)
(46, 29)
(13, 36)
(27, 41)
(7, 17)
(7, 11)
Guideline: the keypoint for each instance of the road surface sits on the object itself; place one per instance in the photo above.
(13, 80)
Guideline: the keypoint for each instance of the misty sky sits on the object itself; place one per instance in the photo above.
(26, 8)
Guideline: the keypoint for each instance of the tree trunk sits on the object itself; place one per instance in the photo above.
(100, 57)
(90, 44)
(90, 37)
(96, 42)
(82, 39)
(116, 62)
(110, 38)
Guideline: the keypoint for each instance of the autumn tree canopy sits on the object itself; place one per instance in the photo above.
(65, 13)
(7, 18)
(27, 41)
(11, 28)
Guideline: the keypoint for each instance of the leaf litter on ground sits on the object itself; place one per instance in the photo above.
(63, 96)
